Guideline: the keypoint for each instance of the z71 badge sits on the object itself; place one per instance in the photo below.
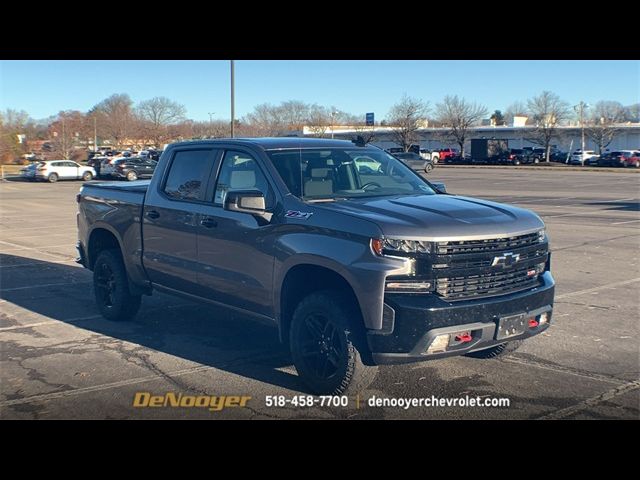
(297, 214)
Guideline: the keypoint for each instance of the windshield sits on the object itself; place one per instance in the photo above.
(337, 173)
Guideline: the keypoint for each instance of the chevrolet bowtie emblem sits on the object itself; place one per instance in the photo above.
(506, 260)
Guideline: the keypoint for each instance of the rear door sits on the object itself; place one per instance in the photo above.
(170, 221)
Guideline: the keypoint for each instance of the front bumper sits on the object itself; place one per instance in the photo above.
(412, 321)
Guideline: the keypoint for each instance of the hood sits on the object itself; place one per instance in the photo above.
(439, 217)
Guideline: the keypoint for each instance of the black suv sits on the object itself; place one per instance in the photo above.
(133, 168)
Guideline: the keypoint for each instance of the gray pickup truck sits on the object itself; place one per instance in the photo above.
(354, 257)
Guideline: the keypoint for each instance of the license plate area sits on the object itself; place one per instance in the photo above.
(511, 326)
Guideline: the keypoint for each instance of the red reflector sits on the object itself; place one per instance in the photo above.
(533, 323)
(464, 338)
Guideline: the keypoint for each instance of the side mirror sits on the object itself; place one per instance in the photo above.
(247, 201)
(440, 186)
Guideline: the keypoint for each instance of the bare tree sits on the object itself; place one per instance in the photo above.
(548, 111)
(602, 127)
(632, 113)
(157, 115)
(516, 109)
(293, 114)
(66, 133)
(457, 116)
(116, 117)
(406, 117)
(320, 119)
(265, 120)
(12, 124)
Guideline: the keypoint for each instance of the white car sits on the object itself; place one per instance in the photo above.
(54, 170)
(579, 157)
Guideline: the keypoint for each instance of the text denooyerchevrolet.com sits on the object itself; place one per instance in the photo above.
(354, 257)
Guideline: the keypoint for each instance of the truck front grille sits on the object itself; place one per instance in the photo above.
(487, 246)
(488, 284)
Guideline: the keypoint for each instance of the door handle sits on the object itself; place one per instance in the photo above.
(153, 214)
(208, 222)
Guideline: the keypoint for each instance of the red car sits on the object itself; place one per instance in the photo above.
(630, 158)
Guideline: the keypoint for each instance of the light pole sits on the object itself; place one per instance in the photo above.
(580, 111)
(333, 116)
(210, 122)
(95, 135)
(233, 112)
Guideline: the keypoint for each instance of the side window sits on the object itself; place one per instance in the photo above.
(239, 171)
(188, 175)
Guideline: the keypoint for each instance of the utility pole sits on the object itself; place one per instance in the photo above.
(333, 116)
(64, 141)
(211, 123)
(580, 110)
(233, 108)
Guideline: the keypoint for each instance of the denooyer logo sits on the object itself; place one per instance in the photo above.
(212, 403)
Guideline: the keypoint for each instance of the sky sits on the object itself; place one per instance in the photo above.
(44, 87)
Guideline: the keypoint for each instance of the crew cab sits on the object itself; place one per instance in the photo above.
(355, 258)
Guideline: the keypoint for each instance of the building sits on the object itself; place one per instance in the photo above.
(568, 138)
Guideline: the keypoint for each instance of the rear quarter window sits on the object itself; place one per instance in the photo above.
(187, 176)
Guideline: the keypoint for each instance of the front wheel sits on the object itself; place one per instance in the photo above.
(111, 287)
(428, 167)
(497, 351)
(131, 176)
(53, 178)
(87, 176)
(324, 345)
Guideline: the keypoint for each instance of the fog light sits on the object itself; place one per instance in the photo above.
(543, 318)
(439, 344)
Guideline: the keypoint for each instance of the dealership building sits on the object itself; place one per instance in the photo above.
(567, 138)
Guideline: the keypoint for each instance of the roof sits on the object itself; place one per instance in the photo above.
(273, 143)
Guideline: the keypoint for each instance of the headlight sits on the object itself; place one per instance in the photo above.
(542, 236)
(393, 245)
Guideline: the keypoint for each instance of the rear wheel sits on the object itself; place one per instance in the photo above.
(132, 175)
(428, 167)
(516, 162)
(111, 287)
(497, 351)
(325, 344)
(87, 176)
(53, 177)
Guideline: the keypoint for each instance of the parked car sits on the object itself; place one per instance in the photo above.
(354, 271)
(54, 170)
(559, 156)
(133, 168)
(415, 161)
(631, 158)
(611, 159)
(534, 155)
(515, 156)
(443, 154)
(579, 157)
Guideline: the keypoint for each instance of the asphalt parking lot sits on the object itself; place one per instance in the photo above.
(61, 360)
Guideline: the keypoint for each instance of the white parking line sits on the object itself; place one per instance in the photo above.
(596, 289)
(593, 401)
(259, 357)
(42, 286)
(60, 262)
(628, 221)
